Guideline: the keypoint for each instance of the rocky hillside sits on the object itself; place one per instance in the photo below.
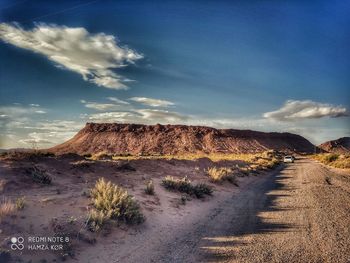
(137, 139)
(341, 146)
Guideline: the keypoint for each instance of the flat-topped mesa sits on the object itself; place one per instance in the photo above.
(139, 139)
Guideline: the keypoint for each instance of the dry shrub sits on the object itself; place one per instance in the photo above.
(336, 160)
(219, 174)
(184, 185)
(7, 207)
(39, 175)
(113, 202)
(20, 203)
(201, 189)
(342, 162)
(96, 219)
(101, 156)
(149, 188)
(268, 163)
(272, 163)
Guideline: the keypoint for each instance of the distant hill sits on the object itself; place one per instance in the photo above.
(341, 146)
(137, 139)
(16, 150)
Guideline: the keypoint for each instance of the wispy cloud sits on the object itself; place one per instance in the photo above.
(114, 116)
(101, 106)
(19, 110)
(16, 115)
(121, 111)
(34, 138)
(91, 55)
(49, 133)
(116, 104)
(116, 100)
(162, 116)
(25, 125)
(152, 102)
(145, 116)
(55, 126)
(305, 109)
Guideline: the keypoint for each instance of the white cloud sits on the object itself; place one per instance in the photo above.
(19, 110)
(101, 106)
(117, 105)
(161, 116)
(24, 126)
(44, 134)
(152, 102)
(305, 109)
(144, 116)
(91, 55)
(115, 116)
(17, 115)
(114, 99)
(42, 139)
(63, 126)
(121, 111)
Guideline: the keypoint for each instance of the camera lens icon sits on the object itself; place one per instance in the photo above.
(17, 243)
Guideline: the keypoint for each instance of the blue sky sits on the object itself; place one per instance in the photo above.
(262, 65)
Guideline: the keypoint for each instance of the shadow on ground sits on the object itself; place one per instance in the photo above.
(248, 221)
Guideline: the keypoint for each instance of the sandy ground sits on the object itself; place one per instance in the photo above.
(62, 206)
(297, 214)
(290, 216)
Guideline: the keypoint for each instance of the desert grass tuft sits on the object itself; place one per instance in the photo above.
(221, 174)
(149, 188)
(184, 185)
(101, 156)
(335, 160)
(96, 219)
(7, 207)
(39, 175)
(111, 201)
(20, 203)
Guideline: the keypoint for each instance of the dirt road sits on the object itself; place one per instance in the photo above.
(298, 214)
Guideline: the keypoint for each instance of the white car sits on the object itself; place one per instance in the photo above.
(288, 159)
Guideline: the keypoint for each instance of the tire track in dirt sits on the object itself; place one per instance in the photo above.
(292, 215)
